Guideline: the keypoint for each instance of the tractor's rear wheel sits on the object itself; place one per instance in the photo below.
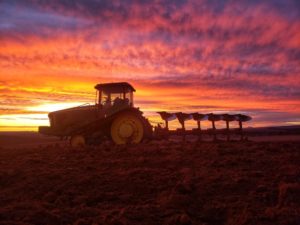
(127, 128)
(77, 141)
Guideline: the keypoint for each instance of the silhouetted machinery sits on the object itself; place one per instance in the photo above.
(115, 117)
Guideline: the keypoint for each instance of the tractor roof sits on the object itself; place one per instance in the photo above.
(115, 87)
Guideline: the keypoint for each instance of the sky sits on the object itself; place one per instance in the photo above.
(192, 56)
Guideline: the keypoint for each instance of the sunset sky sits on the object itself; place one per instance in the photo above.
(191, 56)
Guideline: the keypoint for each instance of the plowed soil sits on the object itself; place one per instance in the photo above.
(160, 182)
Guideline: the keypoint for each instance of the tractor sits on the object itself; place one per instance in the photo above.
(113, 116)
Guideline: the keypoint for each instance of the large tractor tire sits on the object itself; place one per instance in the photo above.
(126, 128)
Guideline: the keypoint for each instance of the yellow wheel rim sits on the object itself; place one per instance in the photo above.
(127, 128)
(77, 141)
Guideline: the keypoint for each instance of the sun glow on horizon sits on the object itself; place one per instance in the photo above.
(19, 122)
(51, 107)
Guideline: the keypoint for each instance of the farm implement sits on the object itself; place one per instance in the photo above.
(197, 117)
(115, 117)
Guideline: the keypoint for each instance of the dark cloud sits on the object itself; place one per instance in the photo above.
(165, 16)
(18, 21)
(252, 88)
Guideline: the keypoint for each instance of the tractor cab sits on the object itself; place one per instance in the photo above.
(114, 96)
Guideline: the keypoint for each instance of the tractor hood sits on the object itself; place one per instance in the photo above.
(67, 118)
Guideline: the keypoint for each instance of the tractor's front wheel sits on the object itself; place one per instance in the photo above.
(127, 128)
(77, 141)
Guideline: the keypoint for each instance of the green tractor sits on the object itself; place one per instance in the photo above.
(113, 116)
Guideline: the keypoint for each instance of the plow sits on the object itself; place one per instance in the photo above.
(114, 117)
(198, 131)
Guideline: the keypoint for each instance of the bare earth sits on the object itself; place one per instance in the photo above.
(161, 182)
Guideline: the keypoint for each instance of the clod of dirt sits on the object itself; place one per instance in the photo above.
(180, 219)
(42, 217)
(289, 195)
(50, 197)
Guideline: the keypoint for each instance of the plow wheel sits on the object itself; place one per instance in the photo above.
(127, 128)
(77, 141)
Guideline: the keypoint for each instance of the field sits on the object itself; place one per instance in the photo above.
(160, 182)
